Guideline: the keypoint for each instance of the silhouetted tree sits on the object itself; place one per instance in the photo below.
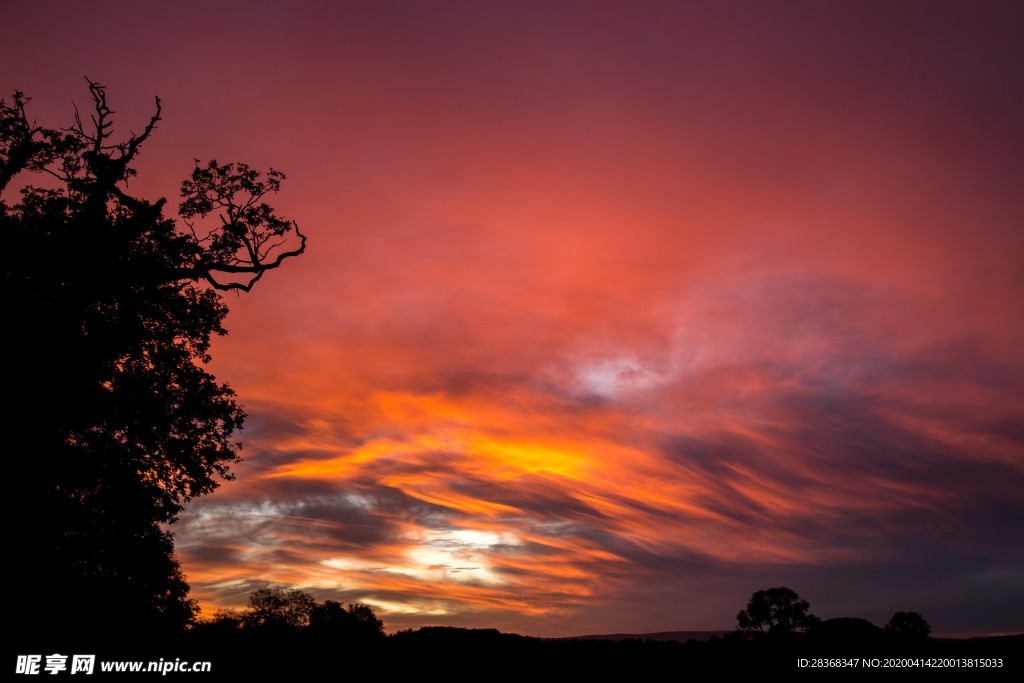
(227, 620)
(279, 608)
(908, 625)
(330, 617)
(358, 622)
(775, 610)
(110, 310)
(368, 626)
(224, 625)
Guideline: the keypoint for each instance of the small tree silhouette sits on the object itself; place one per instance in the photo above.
(368, 626)
(775, 610)
(908, 625)
(279, 608)
(359, 621)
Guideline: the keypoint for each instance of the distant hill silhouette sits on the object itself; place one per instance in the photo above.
(660, 636)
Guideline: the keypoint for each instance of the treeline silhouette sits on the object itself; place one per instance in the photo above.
(277, 612)
(287, 633)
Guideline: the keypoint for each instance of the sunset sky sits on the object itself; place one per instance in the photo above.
(612, 313)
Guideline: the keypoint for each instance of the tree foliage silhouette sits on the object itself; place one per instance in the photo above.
(278, 608)
(115, 423)
(775, 611)
(909, 626)
(367, 625)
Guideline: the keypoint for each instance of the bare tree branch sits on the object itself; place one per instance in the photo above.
(21, 142)
(256, 268)
(249, 238)
(231, 252)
